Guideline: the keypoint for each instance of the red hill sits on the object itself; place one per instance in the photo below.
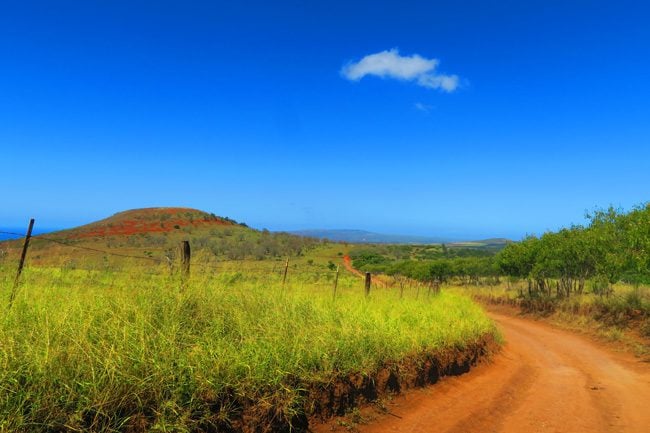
(149, 221)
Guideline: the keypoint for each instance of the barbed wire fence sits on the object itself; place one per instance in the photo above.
(168, 258)
(158, 260)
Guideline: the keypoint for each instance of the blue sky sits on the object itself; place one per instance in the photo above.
(254, 110)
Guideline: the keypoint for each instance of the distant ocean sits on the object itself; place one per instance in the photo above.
(21, 232)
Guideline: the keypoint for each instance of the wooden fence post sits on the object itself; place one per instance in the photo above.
(336, 280)
(286, 269)
(186, 255)
(22, 262)
(368, 281)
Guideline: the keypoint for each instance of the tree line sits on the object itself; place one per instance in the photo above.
(468, 265)
(612, 246)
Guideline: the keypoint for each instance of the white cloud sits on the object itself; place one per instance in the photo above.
(423, 107)
(390, 64)
(448, 83)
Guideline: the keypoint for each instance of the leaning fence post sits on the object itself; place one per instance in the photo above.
(286, 269)
(22, 262)
(368, 281)
(186, 255)
(336, 280)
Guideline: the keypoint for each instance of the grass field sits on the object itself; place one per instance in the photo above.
(128, 350)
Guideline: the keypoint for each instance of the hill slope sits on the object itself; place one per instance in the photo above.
(156, 233)
(149, 221)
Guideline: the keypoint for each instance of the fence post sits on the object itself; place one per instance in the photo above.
(336, 280)
(22, 262)
(368, 281)
(186, 255)
(286, 269)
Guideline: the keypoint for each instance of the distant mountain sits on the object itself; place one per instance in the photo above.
(365, 237)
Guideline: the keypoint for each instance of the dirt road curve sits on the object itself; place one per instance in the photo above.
(377, 279)
(347, 264)
(545, 380)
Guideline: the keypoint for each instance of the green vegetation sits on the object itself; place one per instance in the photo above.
(95, 342)
(156, 233)
(599, 270)
(429, 263)
(586, 262)
(126, 350)
(614, 247)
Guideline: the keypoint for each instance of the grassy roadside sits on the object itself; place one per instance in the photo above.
(622, 318)
(99, 350)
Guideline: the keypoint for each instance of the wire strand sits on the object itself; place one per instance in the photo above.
(20, 235)
(97, 250)
(216, 267)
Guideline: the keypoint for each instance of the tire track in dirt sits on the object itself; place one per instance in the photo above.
(544, 380)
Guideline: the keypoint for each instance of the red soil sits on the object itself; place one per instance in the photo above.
(378, 280)
(545, 380)
(347, 264)
(152, 220)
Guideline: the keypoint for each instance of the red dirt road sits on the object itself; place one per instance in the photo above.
(347, 264)
(545, 380)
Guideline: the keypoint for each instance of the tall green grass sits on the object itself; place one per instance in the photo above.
(108, 351)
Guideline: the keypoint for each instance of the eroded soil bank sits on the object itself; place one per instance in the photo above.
(321, 401)
(545, 380)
